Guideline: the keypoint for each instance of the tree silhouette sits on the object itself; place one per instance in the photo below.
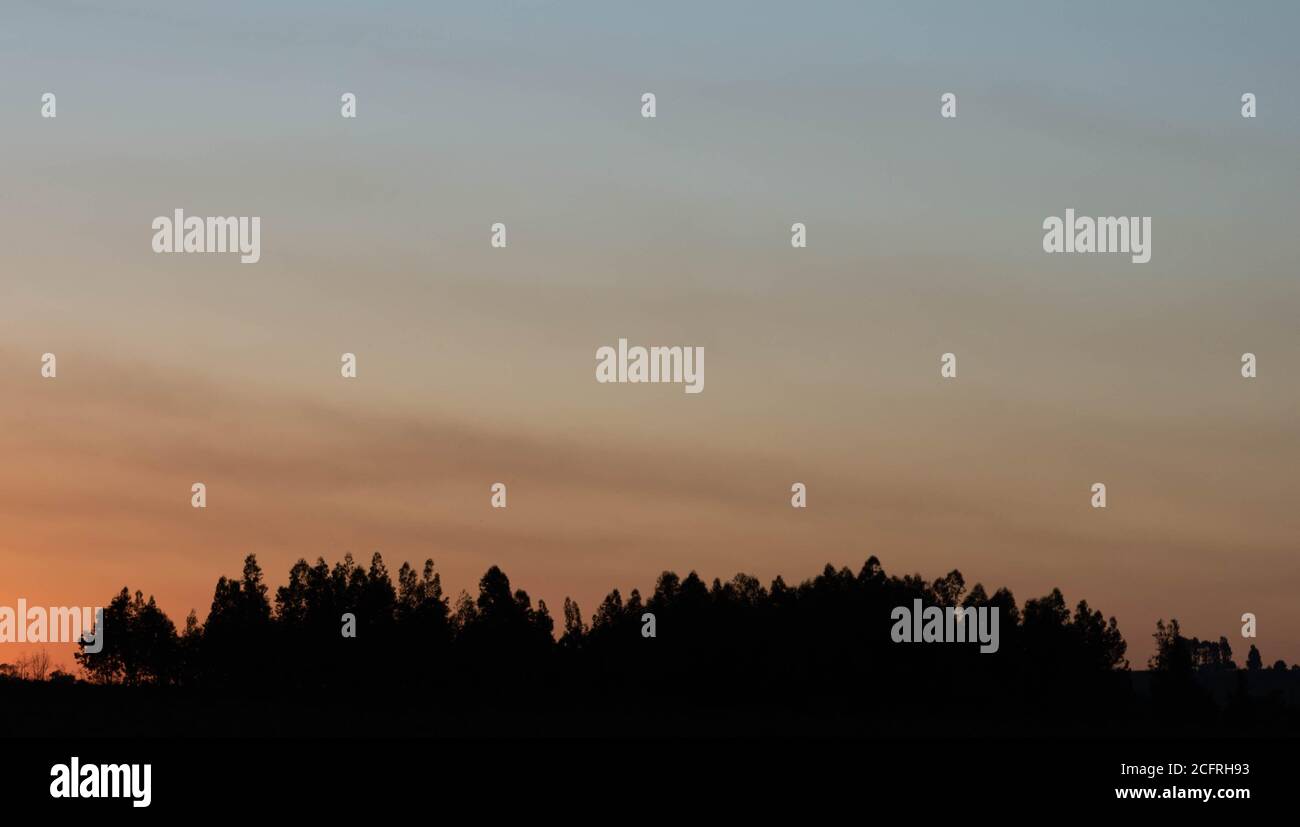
(1253, 661)
(139, 643)
(815, 649)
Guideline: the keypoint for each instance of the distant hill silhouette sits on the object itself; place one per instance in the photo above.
(727, 658)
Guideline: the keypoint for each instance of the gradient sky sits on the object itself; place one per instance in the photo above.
(476, 365)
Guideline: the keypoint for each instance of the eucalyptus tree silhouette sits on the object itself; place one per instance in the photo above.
(813, 655)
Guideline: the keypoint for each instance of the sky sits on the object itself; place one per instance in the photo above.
(476, 365)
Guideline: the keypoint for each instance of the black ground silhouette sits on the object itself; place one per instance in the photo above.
(733, 658)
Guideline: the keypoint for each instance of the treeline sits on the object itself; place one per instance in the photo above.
(1175, 653)
(817, 651)
(352, 620)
